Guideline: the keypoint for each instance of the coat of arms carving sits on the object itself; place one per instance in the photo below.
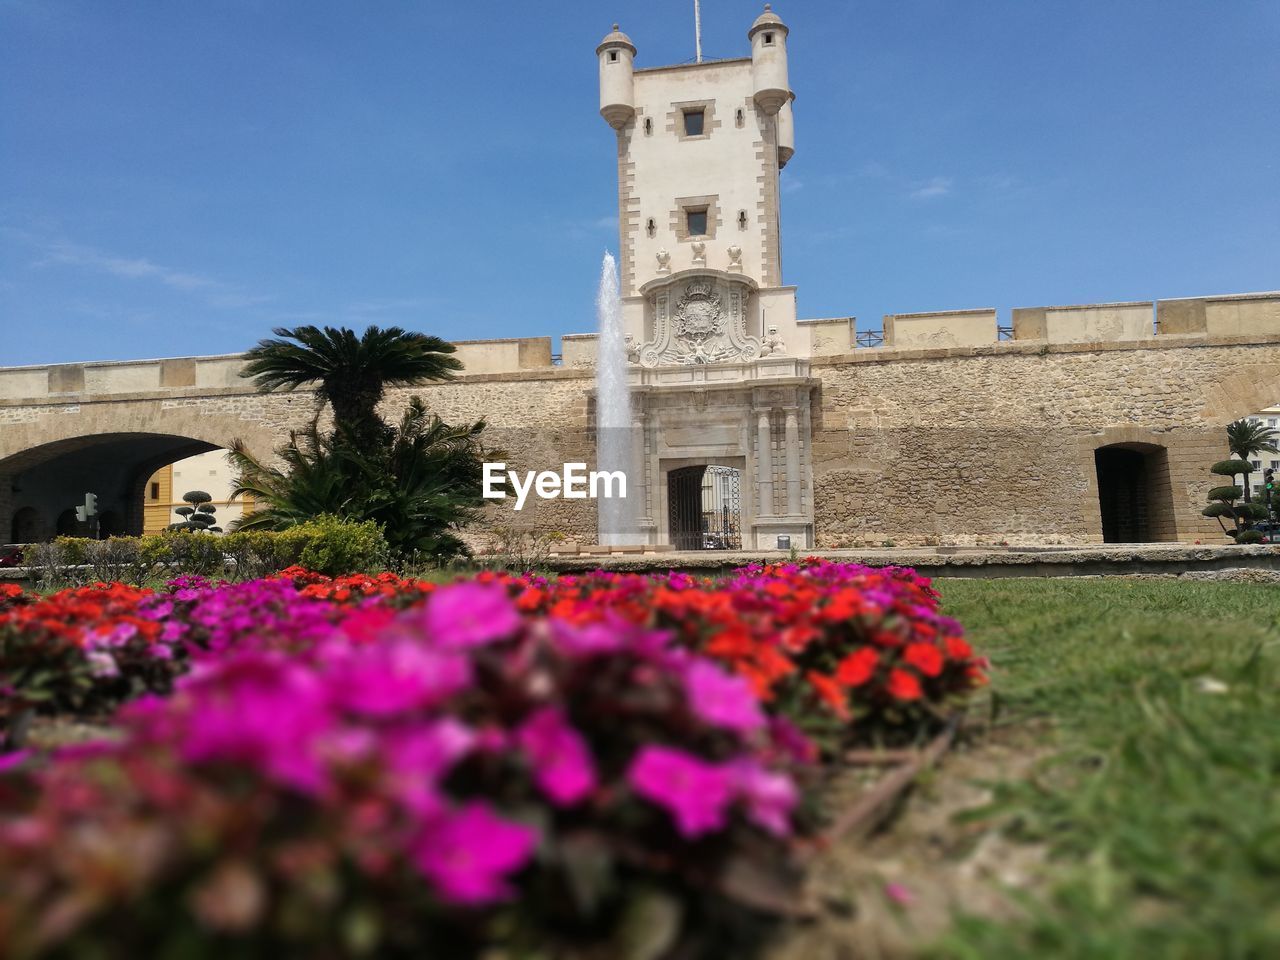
(700, 327)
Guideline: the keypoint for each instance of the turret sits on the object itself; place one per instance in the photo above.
(617, 83)
(786, 133)
(768, 37)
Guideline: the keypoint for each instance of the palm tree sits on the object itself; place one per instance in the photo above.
(350, 372)
(421, 487)
(1247, 438)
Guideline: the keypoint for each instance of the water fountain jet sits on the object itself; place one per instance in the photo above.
(617, 516)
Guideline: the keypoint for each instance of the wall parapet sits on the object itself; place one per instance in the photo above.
(1241, 314)
(1192, 341)
(1192, 321)
(1238, 314)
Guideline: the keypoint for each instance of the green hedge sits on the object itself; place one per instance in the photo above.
(326, 544)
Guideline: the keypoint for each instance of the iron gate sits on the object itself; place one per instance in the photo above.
(705, 507)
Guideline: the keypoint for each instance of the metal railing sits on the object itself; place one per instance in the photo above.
(557, 359)
(1004, 333)
(869, 338)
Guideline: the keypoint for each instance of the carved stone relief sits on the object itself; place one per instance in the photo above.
(700, 321)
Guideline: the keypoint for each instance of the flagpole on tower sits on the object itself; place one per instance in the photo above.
(697, 28)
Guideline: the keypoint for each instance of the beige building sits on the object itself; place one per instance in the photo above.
(211, 473)
(1269, 417)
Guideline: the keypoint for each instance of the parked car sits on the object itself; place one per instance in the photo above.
(10, 556)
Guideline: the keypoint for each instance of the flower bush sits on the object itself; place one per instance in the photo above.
(407, 781)
(846, 652)
(81, 650)
(369, 765)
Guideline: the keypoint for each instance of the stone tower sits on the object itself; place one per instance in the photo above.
(719, 374)
(700, 149)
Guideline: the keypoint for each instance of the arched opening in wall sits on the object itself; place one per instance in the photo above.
(138, 478)
(67, 525)
(1253, 439)
(211, 473)
(1135, 497)
(26, 526)
(1265, 432)
(705, 507)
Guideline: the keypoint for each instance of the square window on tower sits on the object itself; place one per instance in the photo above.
(697, 222)
(694, 122)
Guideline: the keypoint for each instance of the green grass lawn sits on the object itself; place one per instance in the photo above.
(1161, 803)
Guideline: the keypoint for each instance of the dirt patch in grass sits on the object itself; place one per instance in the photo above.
(891, 894)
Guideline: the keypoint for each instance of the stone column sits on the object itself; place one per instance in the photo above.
(638, 490)
(793, 462)
(764, 463)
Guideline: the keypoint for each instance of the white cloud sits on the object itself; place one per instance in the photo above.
(931, 189)
(131, 269)
(64, 253)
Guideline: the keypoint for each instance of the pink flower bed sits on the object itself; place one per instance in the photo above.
(391, 767)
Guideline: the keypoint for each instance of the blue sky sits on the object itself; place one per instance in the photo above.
(179, 177)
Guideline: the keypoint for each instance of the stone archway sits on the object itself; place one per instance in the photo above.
(53, 479)
(1135, 499)
(26, 526)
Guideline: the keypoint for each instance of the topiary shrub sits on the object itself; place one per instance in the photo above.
(1224, 507)
(199, 517)
(1249, 536)
(1231, 468)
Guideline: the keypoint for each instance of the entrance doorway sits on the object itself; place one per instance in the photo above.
(1134, 495)
(705, 507)
(26, 526)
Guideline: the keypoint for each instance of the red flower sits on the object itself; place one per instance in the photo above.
(858, 667)
(904, 686)
(530, 599)
(829, 692)
(958, 649)
(842, 606)
(925, 657)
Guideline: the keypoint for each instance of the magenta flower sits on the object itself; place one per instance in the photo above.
(588, 639)
(260, 710)
(468, 855)
(791, 742)
(383, 679)
(561, 759)
(694, 792)
(12, 761)
(721, 699)
(116, 636)
(470, 615)
(769, 797)
(418, 759)
(899, 894)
